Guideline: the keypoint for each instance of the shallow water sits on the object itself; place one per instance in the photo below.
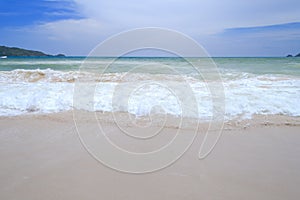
(151, 85)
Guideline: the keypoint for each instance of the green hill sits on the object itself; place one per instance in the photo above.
(14, 51)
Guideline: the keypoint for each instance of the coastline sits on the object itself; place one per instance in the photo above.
(109, 118)
(42, 158)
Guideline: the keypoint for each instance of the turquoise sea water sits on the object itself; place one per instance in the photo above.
(251, 85)
(287, 66)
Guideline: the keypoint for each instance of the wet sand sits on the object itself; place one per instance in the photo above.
(42, 158)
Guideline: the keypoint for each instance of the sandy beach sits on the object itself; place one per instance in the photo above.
(43, 158)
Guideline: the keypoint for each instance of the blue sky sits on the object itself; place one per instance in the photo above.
(224, 28)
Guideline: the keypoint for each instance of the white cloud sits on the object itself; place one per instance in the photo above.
(192, 15)
(70, 29)
(72, 37)
(197, 18)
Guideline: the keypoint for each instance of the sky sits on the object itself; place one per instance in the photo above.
(224, 28)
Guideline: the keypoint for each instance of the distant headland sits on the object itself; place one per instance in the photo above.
(298, 55)
(14, 51)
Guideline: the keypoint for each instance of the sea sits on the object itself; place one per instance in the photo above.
(145, 85)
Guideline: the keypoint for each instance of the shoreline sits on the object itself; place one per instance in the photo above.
(158, 120)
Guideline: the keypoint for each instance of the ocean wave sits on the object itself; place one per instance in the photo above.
(48, 91)
(49, 75)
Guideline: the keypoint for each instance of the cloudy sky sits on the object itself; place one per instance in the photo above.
(222, 27)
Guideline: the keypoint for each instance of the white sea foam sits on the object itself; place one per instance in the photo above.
(68, 62)
(48, 91)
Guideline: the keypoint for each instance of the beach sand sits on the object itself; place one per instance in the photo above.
(42, 158)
